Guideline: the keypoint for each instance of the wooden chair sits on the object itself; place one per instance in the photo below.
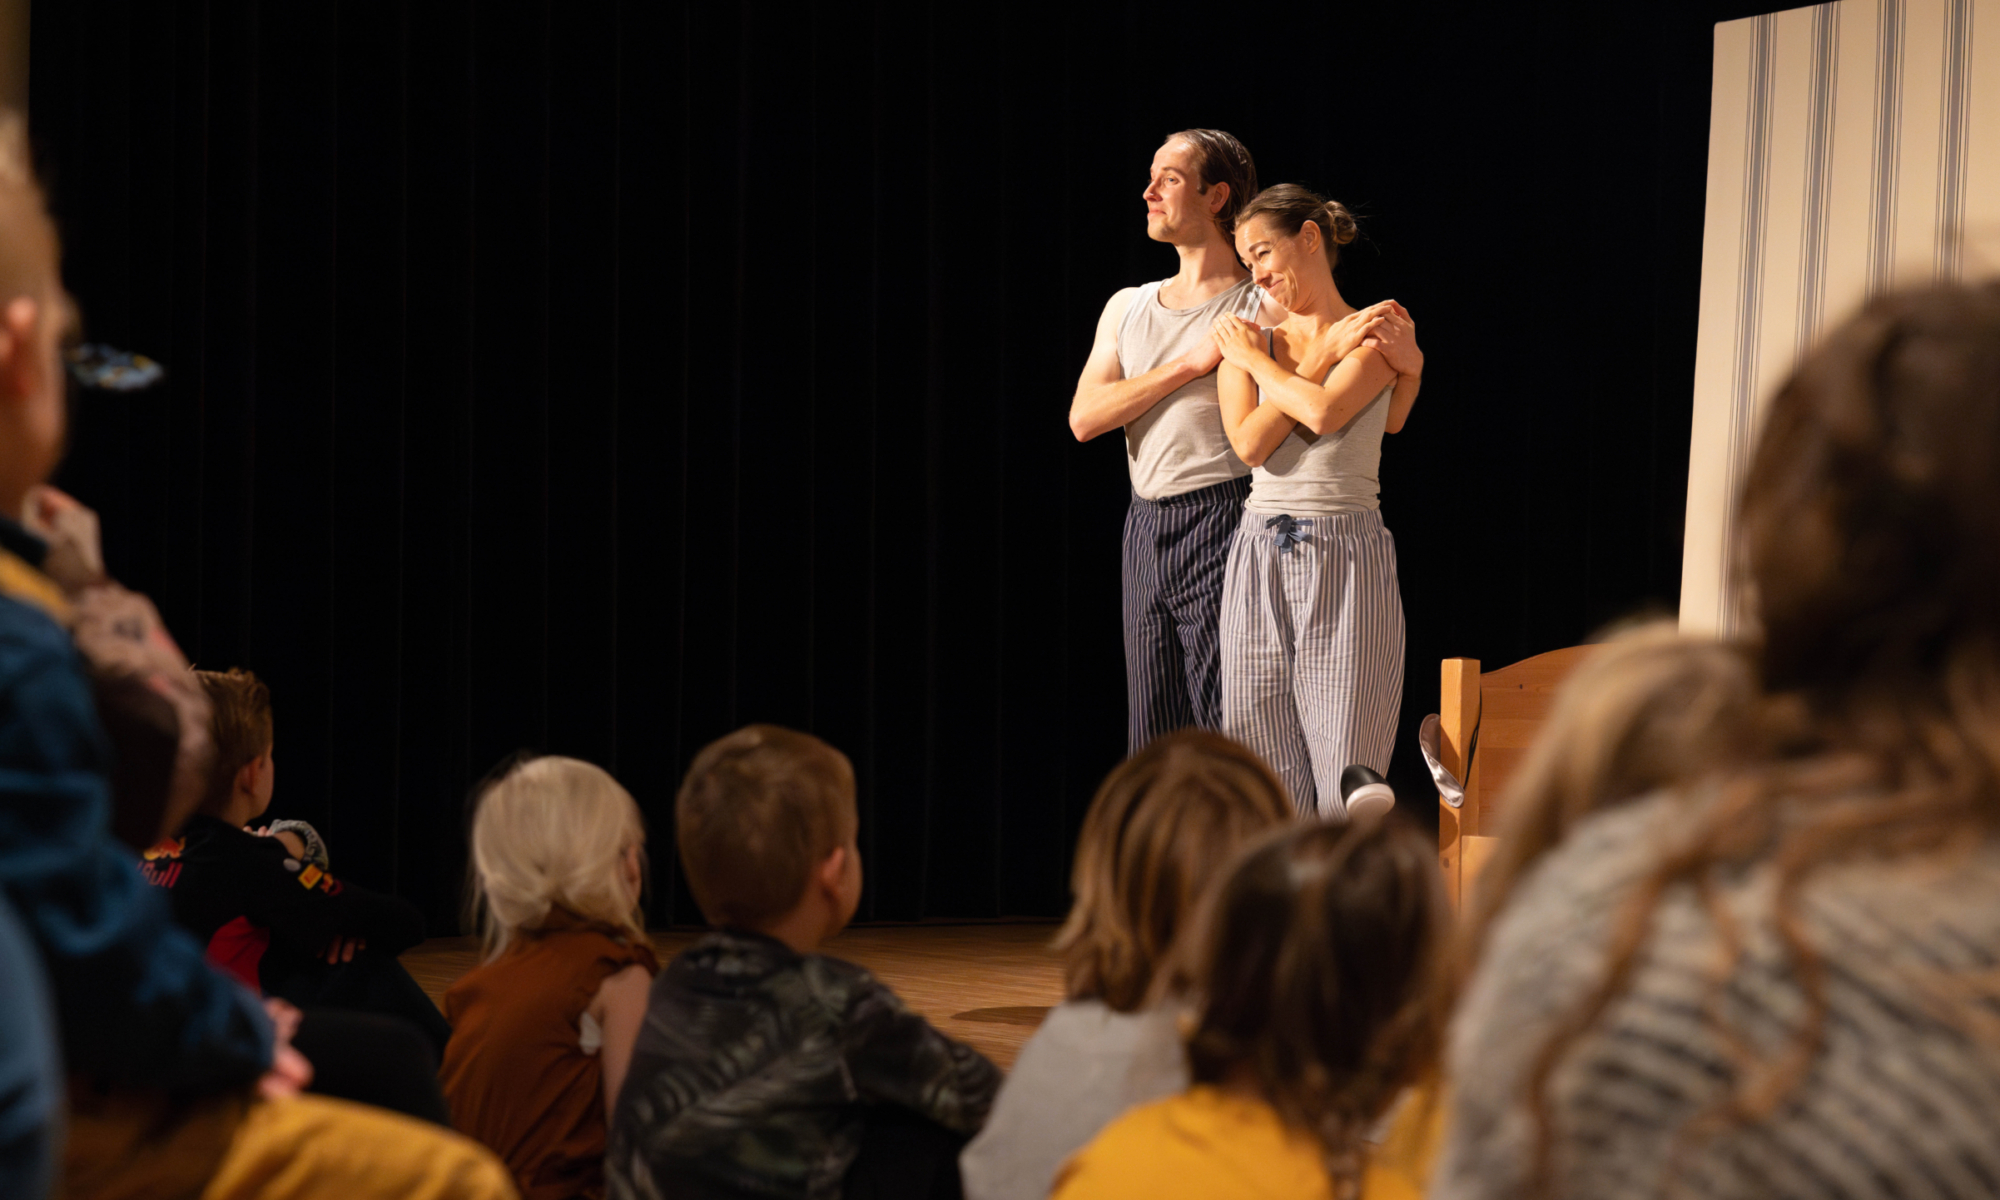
(1492, 718)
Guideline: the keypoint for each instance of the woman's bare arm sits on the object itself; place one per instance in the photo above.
(1254, 429)
(1352, 386)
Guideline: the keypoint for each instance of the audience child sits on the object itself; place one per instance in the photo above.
(1775, 978)
(1162, 827)
(545, 1026)
(179, 1082)
(764, 1066)
(1318, 997)
(269, 916)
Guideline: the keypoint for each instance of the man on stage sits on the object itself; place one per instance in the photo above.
(1152, 371)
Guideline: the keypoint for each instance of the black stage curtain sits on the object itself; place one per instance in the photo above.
(597, 377)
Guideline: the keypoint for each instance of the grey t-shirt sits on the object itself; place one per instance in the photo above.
(1178, 444)
(1332, 472)
(1083, 1068)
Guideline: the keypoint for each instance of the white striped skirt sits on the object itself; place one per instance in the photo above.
(1312, 648)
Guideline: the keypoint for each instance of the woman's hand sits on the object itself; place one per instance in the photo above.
(1394, 337)
(1341, 338)
(1237, 339)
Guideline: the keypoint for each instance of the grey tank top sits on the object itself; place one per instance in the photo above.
(1332, 472)
(1178, 444)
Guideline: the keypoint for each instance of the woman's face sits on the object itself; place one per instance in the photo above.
(1278, 263)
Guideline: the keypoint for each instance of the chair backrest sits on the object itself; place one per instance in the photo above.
(1490, 718)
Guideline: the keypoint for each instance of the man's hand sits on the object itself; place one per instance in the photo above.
(1348, 334)
(1205, 357)
(1236, 340)
(290, 1072)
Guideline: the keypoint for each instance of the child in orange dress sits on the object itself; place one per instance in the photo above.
(543, 1029)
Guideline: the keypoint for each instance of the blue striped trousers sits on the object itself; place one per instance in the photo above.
(1175, 552)
(1312, 649)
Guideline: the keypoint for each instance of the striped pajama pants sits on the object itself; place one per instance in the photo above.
(1312, 649)
(1175, 551)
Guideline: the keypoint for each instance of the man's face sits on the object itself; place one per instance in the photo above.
(1177, 210)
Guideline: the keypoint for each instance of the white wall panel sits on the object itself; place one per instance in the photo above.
(1853, 147)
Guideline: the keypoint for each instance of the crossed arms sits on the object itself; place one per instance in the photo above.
(1105, 400)
(1292, 397)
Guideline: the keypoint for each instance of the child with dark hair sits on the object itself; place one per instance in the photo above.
(766, 1068)
(268, 909)
(1319, 998)
(1162, 828)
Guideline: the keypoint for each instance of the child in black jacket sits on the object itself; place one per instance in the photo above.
(265, 905)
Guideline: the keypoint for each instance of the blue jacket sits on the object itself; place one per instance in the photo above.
(137, 1003)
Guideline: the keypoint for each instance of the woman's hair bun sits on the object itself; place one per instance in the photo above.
(1340, 224)
(1288, 207)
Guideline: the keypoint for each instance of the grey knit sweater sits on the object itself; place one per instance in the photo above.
(1904, 1100)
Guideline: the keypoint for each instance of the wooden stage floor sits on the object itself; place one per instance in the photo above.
(986, 985)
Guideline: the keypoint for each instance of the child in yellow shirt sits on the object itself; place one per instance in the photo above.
(1320, 996)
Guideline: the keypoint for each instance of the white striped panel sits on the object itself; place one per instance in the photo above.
(1848, 144)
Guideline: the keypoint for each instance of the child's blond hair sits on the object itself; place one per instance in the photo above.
(553, 831)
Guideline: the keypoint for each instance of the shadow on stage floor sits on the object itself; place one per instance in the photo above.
(986, 985)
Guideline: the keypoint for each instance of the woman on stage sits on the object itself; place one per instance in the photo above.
(1312, 620)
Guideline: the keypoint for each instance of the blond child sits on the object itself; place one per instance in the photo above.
(1163, 826)
(543, 1028)
(1317, 976)
(766, 1068)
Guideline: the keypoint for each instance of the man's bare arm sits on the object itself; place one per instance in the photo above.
(1105, 401)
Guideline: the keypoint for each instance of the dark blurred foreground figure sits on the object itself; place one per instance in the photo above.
(1776, 977)
(180, 1082)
